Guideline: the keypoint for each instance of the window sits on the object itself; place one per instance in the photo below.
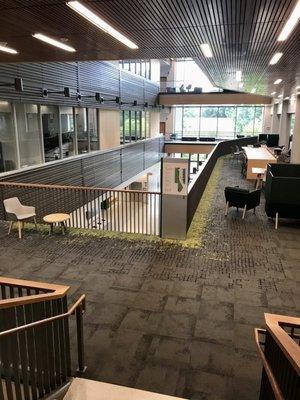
(29, 136)
(147, 117)
(67, 131)
(122, 139)
(82, 130)
(245, 120)
(127, 132)
(191, 121)
(50, 127)
(138, 125)
(133, 125)
(138, 67)
(143, 125)
(219, 122)
(8, 154)
(93, 129)
(209, 121)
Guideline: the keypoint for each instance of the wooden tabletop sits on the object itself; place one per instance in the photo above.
(58, 217)
(258, 171)
(258, 153)
(86, 389)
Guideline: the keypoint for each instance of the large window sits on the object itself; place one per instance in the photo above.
(28, 128)
(93, 129)
(138, 67)
(87, 130)
(218, 121)
(134, 125)
(50, 125)
(67, 131)
(8, 154)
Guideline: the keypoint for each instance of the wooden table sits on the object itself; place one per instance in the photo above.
(258, 157)
(86, 389)
(58, 218)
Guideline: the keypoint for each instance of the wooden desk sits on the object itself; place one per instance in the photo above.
(257, 157)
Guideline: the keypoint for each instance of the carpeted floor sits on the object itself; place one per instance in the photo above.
(169, 318)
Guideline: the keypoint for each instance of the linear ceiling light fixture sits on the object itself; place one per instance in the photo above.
(100, 23)
(290, 23)
(238, 76)
(277, 81)
(273, 93)
(7, 49)
(206, 50)
(53, 42)
(274, 60)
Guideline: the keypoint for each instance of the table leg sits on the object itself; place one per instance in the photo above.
(63, 227)
(51, 229)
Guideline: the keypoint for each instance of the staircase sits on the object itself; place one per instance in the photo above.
(35, 359)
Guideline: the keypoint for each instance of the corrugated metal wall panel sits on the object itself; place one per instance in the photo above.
(132, 160)
(87, 77)
(101, 169)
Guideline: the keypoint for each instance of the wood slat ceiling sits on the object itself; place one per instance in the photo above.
(242, 33)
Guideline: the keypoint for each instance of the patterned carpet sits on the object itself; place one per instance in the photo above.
(170, 318)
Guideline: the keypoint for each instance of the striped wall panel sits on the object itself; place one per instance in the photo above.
(86, 77)
(105, 169)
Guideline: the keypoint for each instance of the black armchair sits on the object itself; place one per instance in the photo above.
(241, 198)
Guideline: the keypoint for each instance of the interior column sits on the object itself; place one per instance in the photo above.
(295, 153)
(284, 133)
(275, 119)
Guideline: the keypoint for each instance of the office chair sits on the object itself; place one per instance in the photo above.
(241, 198)
(189, 87)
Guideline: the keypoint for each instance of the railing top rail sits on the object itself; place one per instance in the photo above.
(289, 347)
(69, 187)
(71, 310)
(52, 292)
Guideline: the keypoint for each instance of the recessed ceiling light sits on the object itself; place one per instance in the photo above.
(290, 23)
(286, 98)
(53, 42)
(253, 90)
(8, 50)
(273, 93)
(277, 81)
(238, 76)
(100, 23)
(280, 95)
(298, 87)
(275, 58)
(206, 50)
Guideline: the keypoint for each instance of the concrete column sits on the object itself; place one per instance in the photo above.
(284, 132)
(295, 156)
(267, 120)
(275, 119)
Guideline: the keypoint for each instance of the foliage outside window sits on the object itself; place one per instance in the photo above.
(218, 121)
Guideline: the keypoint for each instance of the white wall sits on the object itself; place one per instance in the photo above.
(154, 123)
(155, 70)
(109, 128)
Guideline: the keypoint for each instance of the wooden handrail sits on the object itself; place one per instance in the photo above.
(69, 187)
(71, 310)
(54, 292)
(289, 347)
(276, 390)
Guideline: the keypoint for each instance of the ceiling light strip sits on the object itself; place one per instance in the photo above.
(9, 50)
(277, 81)
(53, 42)
(206, 50)
(100, 23)
(290, 23)
(274, 60)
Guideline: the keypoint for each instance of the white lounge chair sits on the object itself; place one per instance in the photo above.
(19, 213)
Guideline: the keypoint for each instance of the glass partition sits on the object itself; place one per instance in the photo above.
(191, 121)
(133, 125)
(50, 128)
(126, 119)
(8, 153)
(209, 121)
(93, 129)
(29, 135)
(67, 131)
(82, 130)
(245, 121)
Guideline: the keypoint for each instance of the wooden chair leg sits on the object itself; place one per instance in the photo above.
(10, 226)
(20, 229)
(276, 221)
(244, 212)
(227, 207)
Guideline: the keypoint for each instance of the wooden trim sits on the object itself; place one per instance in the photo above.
(70, 311)
(276, 390)
(289, 347)
(78, 188)
(54, 292)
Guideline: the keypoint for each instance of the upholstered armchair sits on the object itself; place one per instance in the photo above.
(241, 198)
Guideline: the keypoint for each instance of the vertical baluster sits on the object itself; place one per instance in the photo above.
(154, 214)
(63, 360)
(23, 352)
(5, 349)
(80, 345)
(57, 357)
